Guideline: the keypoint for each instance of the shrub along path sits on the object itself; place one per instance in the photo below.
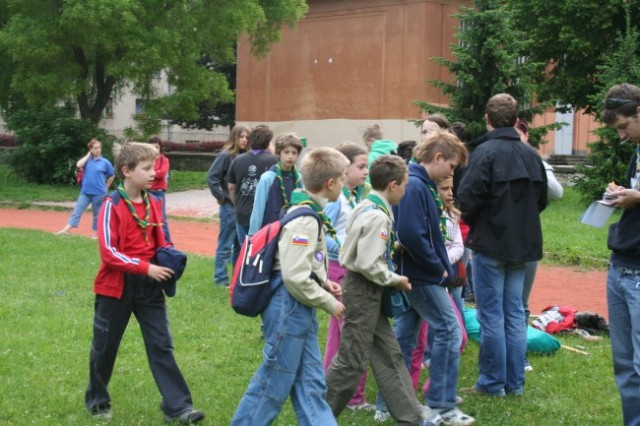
(585, 290)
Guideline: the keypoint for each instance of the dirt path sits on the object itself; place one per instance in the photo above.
(553, 285)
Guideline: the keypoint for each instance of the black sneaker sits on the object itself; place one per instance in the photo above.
(186, 418)
(101, 412)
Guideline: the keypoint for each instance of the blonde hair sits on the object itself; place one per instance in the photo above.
(130, 154)
(288, 140)
(372, 132)
(444, 142)
(232, 143)
(320, 165)
(453, 211)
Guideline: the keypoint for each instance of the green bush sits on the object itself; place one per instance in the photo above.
(608, 161)
(50, 143)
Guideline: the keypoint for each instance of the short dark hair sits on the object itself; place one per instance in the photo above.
(460, 130)
(260, 137)
(502, 110)
(386, 169)
(405, 149)
(156, 140)
(622, 99)
(288, 140)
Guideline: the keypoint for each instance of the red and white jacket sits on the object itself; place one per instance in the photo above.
(114, 221)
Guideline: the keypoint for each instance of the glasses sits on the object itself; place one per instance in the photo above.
(613, 103)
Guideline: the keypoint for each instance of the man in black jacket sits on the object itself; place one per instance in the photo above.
(621, 107)
(501, 195)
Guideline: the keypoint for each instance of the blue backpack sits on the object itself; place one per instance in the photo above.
(252, 285)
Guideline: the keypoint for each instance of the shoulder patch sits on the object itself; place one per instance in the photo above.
(300, 240)
(384, 234)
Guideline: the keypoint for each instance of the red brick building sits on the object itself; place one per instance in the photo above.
(351, 63)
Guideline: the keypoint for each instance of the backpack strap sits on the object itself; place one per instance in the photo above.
(304, 211)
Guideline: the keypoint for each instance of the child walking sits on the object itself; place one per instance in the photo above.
(292, 363)
(424, 259)
(129, 233)
(366, 333)
(273, 194)
(339, 212)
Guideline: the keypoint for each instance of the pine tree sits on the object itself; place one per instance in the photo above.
(609, 157)
(490, 59)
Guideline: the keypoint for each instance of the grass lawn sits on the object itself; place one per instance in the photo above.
(45, 337)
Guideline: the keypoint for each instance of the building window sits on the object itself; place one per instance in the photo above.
(139, 106)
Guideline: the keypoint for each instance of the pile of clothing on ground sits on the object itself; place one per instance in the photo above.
(567, 319)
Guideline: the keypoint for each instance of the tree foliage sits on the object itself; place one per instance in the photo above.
(50, 143)
(574, 37)
(489, 59)
(609, 157)
(88, 51)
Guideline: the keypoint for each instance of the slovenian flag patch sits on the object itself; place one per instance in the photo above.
(384, 234)
(300, 240)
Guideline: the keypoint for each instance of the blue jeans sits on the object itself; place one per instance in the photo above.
(503, 334)
(623, 302)
(241, 231)
(81, 205)
(433, 305)
(530, 269)
(227, 241)
(292, 366)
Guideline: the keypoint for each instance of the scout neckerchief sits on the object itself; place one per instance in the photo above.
(299, 198)
(382, 206)
(296, 182)
(142, 223)
(354, 196)
(442, 216)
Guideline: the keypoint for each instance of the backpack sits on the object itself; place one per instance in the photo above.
(251, 285)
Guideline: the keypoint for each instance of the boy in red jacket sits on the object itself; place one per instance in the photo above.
(129, 232)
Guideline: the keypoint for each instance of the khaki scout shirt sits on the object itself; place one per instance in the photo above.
(365, 249)
(302, 251)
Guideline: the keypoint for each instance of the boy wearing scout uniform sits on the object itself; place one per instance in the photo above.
(366, 333)
(292, 361)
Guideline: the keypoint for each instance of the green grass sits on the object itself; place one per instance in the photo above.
(569, 242)
(46, 316)
(15, 189)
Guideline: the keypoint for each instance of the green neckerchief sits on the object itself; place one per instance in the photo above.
(299, 198)
(296, 183)
(142, 223)
(442, 216)
(354, 196)
(382, 206)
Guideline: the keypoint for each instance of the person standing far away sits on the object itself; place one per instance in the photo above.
(621, 108)
(97, 178)
(377, 146)
(161, 181)
(501, 195)
(217, 182)
(243, 177)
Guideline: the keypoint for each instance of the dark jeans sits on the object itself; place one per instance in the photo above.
(143, 298)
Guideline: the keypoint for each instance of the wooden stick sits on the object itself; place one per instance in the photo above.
(572, 349)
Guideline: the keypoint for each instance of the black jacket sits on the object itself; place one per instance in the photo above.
(624, 238)
(501, 195)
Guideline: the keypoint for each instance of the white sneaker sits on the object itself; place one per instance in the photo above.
(365, 406)
(455, 417)
(381, 416)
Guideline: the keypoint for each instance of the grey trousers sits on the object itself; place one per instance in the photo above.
(367, 337)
